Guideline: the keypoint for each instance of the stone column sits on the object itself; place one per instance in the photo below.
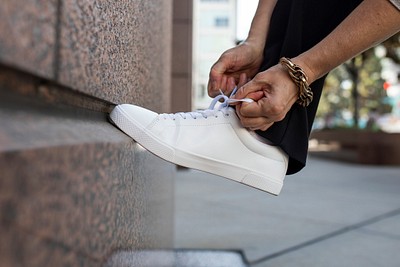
(182, 56)
(73, 188)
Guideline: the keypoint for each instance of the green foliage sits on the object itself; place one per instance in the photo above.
(354, 90)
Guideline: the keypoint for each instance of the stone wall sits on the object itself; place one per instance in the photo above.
(118, 51)
(74, 190)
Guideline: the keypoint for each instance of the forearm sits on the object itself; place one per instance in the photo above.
(372, 22)
(260, 24)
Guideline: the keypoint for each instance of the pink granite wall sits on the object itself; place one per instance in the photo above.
(118, 51)
(28, 35)
(73, 188)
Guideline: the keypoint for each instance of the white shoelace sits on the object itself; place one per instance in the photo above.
(211, 110)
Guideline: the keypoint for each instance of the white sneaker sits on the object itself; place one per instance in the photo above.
(211, 140)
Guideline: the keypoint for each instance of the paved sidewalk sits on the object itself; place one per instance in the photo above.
(330, 214)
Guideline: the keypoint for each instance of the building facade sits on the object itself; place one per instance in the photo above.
(214, 31)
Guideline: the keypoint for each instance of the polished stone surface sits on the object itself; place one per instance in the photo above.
(74, 189)
(31, 86)
(118, 51)
(28, 35)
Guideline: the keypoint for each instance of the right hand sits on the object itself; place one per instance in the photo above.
(273, 92)
(235, 67)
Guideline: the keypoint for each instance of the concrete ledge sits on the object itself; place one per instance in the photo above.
(74, 189)
(28, 35)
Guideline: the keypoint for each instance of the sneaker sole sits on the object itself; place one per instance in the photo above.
(244, 176)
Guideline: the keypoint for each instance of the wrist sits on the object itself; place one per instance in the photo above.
(255, 43)
(300, 79)
(301, 61)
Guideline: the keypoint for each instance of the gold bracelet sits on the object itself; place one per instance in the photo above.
(300, 79)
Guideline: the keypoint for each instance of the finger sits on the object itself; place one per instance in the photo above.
(223, 84)
(213, 87)
(215, 77)
(256, 96)
(251, 110)
(210, 88)
(231, 84)
(219, 68)
(259, 123)
(262, 127)
(242, 80)
(248, 88)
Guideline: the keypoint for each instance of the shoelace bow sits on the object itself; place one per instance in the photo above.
(211, 110)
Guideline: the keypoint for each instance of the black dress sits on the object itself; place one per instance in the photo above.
(296, 26)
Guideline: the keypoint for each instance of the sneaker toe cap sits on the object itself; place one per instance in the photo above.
(140, 115)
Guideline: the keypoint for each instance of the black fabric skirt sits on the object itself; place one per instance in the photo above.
(295, 27)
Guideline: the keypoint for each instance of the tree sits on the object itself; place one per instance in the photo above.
(356, 87)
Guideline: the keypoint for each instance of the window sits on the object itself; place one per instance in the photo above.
(221, 22)
(202, 92)
(214, 0)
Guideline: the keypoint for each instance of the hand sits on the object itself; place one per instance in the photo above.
(235, 67)
(273, 93)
